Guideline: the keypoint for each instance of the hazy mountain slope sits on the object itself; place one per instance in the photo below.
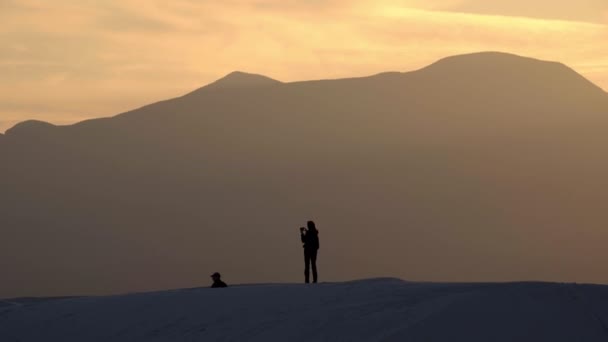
(370, 310)
(479, 167)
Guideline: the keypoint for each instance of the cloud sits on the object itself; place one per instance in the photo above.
(71, 59)
(581, 10)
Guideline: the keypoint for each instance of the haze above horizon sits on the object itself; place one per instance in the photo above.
(70, 60)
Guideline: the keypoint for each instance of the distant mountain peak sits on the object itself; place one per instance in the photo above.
(487, 58)
(29, 126)
(498, 67)
(487, 54)
(491, 61)
(238, 79)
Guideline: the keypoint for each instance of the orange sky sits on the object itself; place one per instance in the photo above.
(67, 60)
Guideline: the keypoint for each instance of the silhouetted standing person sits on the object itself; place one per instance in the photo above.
(310, 238)
(217, 281)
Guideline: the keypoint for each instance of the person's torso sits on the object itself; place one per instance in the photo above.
(311, 240)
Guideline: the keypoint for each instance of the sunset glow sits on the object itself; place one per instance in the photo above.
(68, 60)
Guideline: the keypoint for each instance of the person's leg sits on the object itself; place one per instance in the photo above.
(313, 261)
(306, 266)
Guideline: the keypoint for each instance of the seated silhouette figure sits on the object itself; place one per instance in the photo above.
(217, 281)
(310, 239)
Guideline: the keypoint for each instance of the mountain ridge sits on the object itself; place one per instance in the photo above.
(466, 63)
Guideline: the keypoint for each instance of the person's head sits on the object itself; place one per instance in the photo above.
(311, 226)
(216, 276)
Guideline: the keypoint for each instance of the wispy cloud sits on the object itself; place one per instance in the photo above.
(66, 60)
(582, 10)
